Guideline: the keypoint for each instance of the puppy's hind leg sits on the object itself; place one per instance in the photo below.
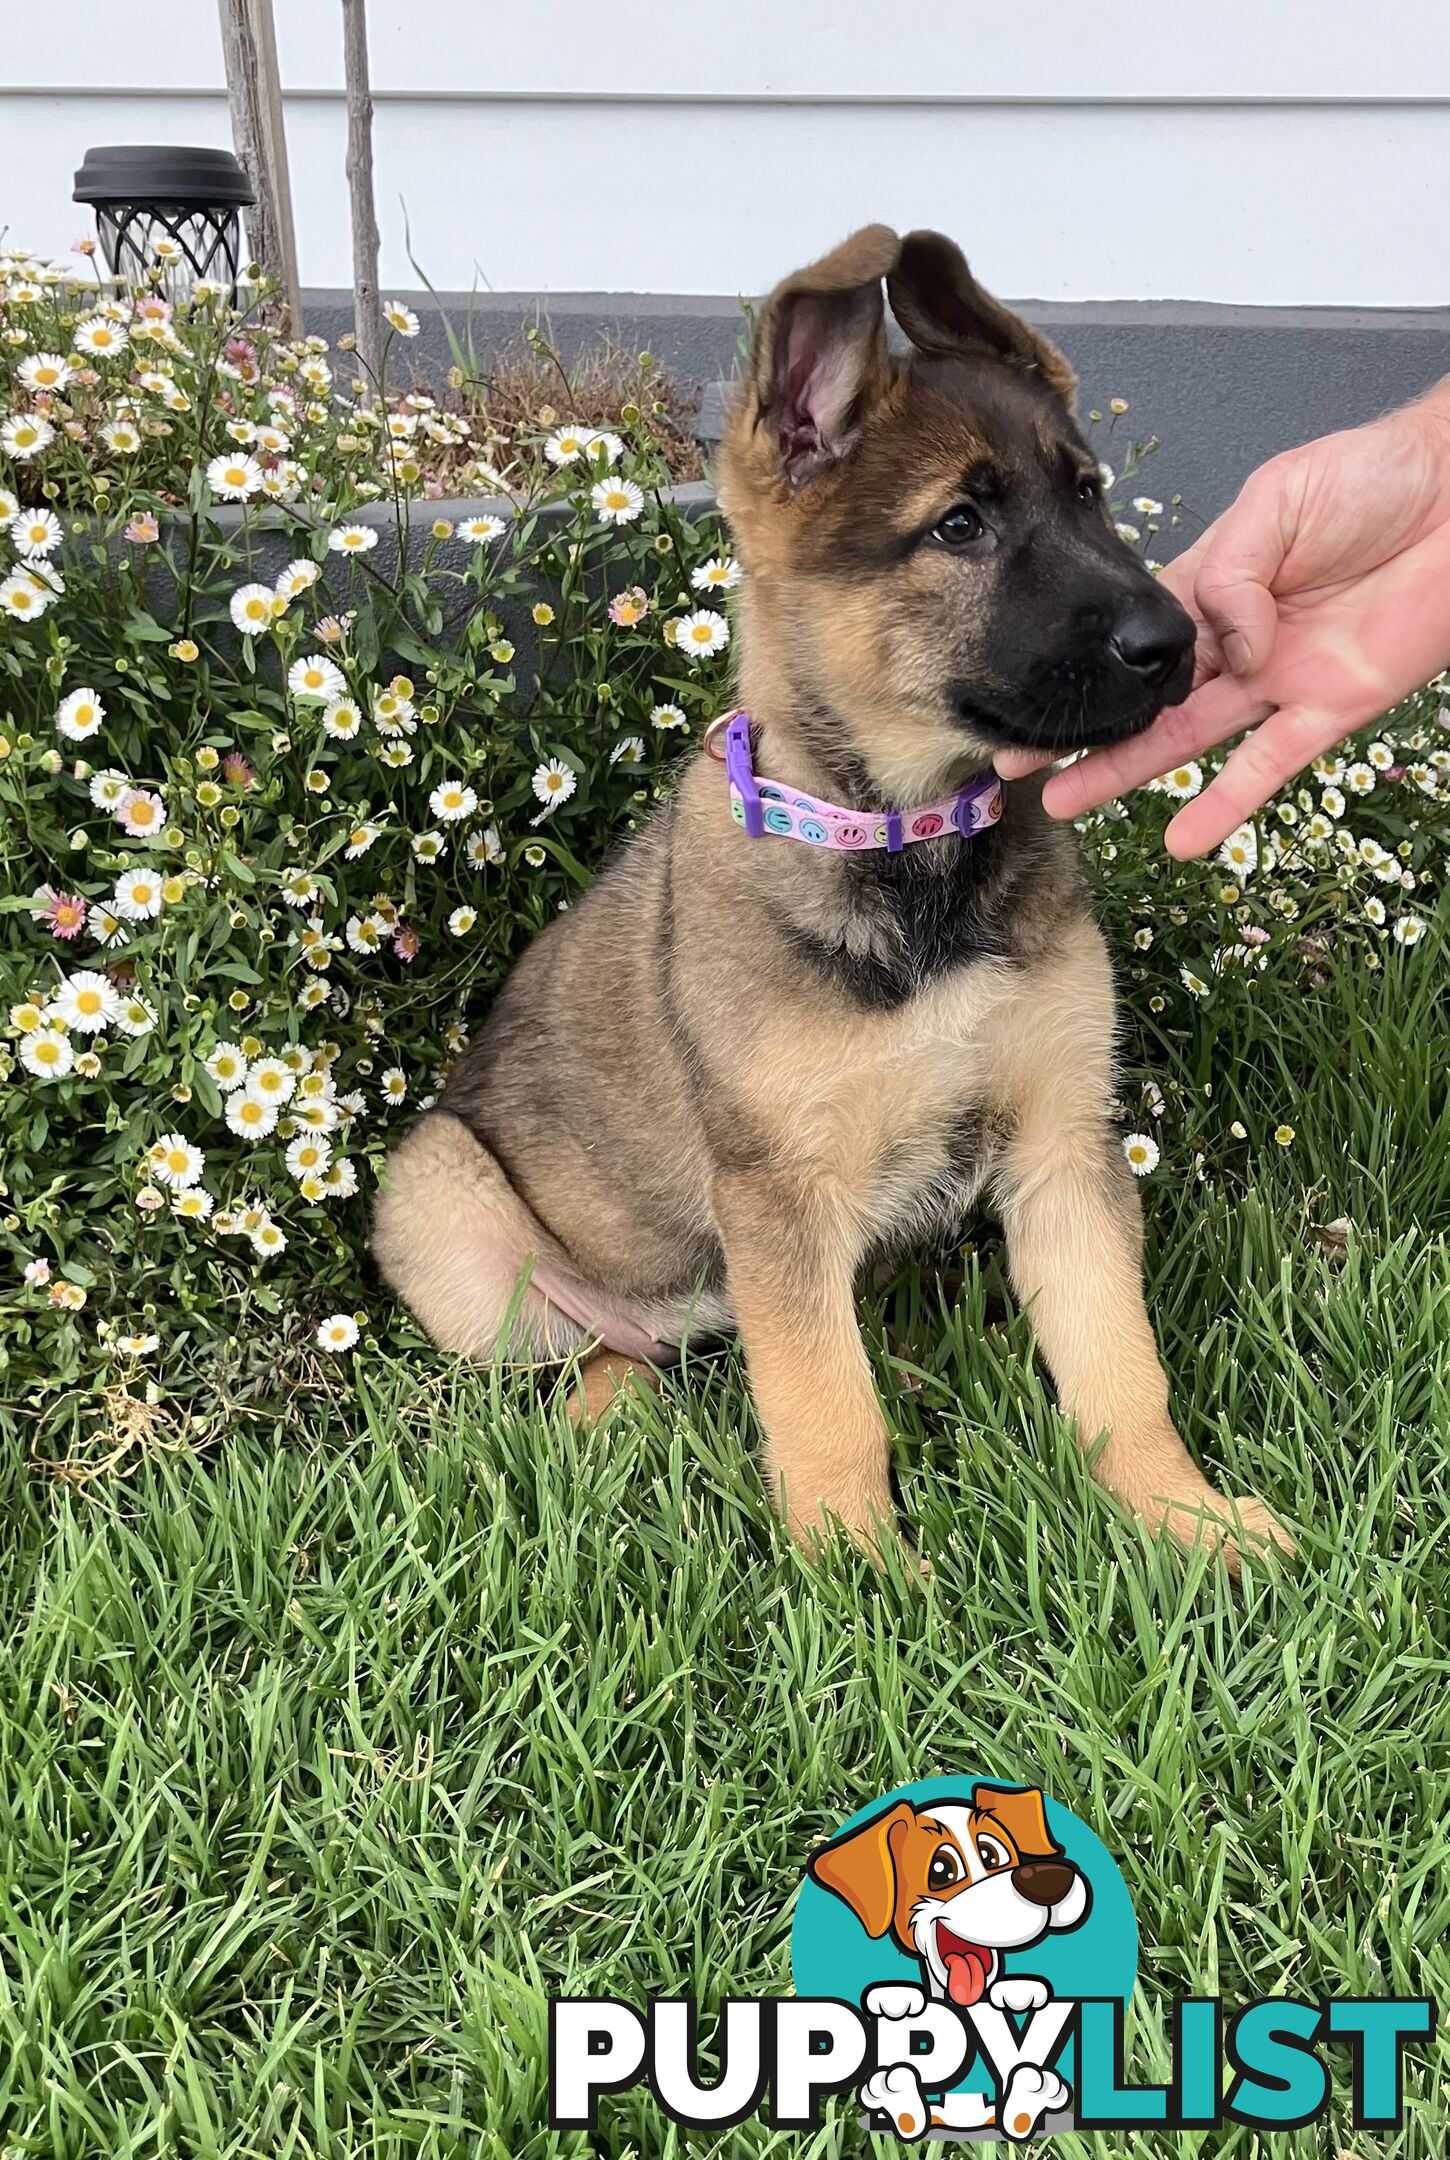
(457, 1244)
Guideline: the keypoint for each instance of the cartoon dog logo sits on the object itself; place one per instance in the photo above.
(957, 1886)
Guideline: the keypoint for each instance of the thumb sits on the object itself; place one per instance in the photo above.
(1233, 586)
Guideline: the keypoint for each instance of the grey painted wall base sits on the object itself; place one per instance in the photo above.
(1222, 388)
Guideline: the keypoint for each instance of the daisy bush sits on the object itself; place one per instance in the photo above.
(271, 835)
(281, 802)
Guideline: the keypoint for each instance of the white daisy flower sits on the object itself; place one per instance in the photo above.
(1130, 533)
(21, 597)
(462, 920)
(268, 1239)
(176, 1162)
(1142, 1153)
(9, 506)
(25, 435)
(308, 1152)
(298, 889)
(452, 799)
(360, 839)
(1360, 779)
(79, 716)
(137, 896)
(402, 319)
(297, 578)
(86, 1002)
(341, 1179)
(317, 1115)
(108, 790)
(485, 847)
(1409, 930)
(137, 1345)
(105, 925)
(249, 1116)
(477, 530)
(270, 1080)
(100, 335)
(394, 1085)
(429, 847)
(352, 539)
(45, 371)
(1332, 803)
(668, 716)
(1194, 984)
(554, 782)
(315, 676)
(227, 1064)
(122, 436)
(36, 532)
(364, 933)
(1380, 756)
(338, 1333)
(1240, 852)
(603, 444)
(1374, 910)
(193, 1205)
(1146, 507)
(343, 719)
(721, 573)
(701, 634)
(46, 1054)
(141, 811)
(1184, 781)
(253, 609)
(566, 444)
(618, 502)
(234, 479)
(629, 750)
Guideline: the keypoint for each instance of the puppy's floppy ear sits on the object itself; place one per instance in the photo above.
(1021, 1815)
(820, 348)
(861, 1867)
(943, 309)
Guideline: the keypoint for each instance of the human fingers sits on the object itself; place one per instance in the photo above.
(1219, 709)
(1017, 764)
(1241, 557)
(1274, 753)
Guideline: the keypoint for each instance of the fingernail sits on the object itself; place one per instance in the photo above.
(1238, 652)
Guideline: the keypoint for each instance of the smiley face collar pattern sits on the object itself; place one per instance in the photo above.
(764, 806)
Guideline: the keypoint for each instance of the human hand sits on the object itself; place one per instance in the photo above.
(1321, 597)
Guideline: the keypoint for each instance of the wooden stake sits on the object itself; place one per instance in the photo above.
(254, 92)
(366, 300)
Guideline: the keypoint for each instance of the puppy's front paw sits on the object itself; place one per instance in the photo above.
(896, 2093)
(1032, 2093)
(1019, 1991)
(894, 1999)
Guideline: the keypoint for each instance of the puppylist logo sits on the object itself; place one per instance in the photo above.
(963, 1954)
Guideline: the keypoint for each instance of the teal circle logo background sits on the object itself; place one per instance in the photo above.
(831, 1953)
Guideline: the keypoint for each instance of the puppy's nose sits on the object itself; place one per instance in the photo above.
(1045, 1882)
(1152, 637)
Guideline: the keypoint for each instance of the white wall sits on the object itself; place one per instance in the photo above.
(1270, 151)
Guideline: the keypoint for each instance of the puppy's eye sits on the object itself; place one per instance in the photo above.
(1087, 491)
(960, 527)
(945, 1869)
(993, 1854)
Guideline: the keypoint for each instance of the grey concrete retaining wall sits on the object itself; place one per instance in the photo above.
(1223, 388)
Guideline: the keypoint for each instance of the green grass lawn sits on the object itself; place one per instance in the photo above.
(337, 1739)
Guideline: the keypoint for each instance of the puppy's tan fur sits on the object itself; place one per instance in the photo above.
(738, 1070)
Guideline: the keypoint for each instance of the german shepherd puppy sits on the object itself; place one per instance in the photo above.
(742, 1069)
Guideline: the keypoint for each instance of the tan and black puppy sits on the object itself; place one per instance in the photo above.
(741, 1068)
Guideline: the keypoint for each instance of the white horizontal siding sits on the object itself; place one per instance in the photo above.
(1284, 154)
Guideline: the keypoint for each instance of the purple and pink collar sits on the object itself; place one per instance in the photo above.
(764, 806)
